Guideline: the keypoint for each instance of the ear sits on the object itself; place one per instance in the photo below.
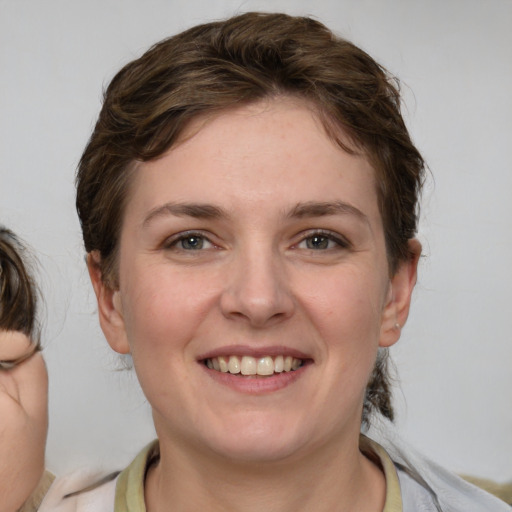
(398, 301)
(110, 309)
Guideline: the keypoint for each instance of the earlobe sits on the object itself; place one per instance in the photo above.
(110, 309)
(398, 300)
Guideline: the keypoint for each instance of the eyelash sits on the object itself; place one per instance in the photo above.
(172, 243)
(341, 242)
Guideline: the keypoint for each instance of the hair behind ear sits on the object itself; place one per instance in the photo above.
(378, 395)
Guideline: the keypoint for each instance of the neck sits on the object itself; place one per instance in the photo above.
(330, 479)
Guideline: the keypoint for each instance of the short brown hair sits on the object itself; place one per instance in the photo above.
(18, 291)
(225, 64)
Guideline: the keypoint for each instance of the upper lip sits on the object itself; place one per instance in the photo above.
(245, 350)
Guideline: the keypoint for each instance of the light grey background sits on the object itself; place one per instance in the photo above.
(454, 58)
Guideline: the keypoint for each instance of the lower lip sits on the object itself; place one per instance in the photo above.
(255, 385)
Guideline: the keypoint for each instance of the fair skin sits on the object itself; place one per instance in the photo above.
(254, 238)
(23, 420)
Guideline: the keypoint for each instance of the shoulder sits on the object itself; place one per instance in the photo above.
(448, 493)
(416, 484)
(88, 491)
(33, 503)
(97, 496)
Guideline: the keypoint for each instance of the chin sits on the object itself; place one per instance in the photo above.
(260, 441)
(260, 451)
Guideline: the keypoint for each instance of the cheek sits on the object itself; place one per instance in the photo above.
(346, 311)
(349, 305)
(42, 399)
(164, 309)
(32, 379)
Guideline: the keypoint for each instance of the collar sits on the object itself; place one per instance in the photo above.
(130, 484)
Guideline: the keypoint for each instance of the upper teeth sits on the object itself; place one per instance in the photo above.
(248, 365)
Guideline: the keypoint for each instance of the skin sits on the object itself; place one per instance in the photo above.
(23, 421)
(275, 271)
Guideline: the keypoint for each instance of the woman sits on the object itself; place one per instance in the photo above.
(248, 201)
(23, 384)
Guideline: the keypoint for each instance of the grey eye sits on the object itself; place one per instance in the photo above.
(192, 242)
(318, 242)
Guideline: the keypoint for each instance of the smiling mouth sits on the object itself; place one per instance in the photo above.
(256, 366)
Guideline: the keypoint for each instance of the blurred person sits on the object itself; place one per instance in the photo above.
(23, 383)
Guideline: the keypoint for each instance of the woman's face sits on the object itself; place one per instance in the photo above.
(253, 245)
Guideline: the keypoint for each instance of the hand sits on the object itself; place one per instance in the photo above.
(23, 420)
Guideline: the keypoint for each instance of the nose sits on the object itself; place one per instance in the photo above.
(257, 290)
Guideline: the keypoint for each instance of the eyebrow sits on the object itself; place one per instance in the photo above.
(322, 209)
(301, 210)
(196, 210)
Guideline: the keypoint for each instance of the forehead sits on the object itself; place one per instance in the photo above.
(298, 117)
(275, 151)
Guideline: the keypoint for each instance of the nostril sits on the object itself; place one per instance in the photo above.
(256, 291)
